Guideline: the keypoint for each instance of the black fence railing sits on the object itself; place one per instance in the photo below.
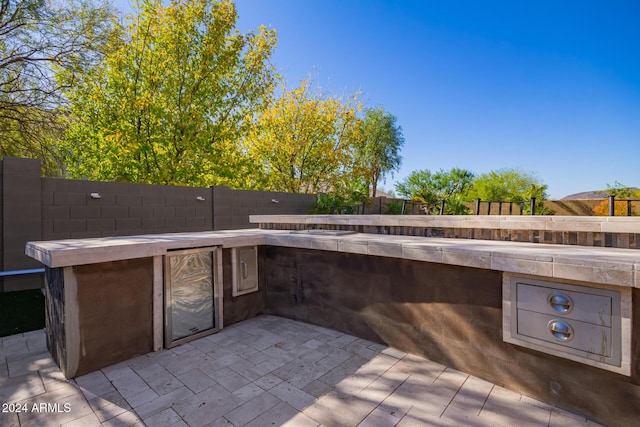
(513, 208)
(348, 210)
(482, 207)
(612, 205)
(410, 207)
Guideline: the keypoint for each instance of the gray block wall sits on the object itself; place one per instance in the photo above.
(1, 225)
(232, 208)
(21, 213)
(33, 208)
(118, 209)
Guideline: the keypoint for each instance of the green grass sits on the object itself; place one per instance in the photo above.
(21, 311)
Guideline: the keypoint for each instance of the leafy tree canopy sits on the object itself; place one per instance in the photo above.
(38, 37)
(304, 141)
(173, 97)
(507, 185)
(378, 152)
(620, 191)
(430, 188)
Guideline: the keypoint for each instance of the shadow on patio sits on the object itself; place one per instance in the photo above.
(264, 371)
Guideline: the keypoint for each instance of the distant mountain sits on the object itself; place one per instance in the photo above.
(587, 195)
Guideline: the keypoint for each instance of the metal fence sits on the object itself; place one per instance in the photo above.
(629, 202)
(349, 209)
(411, 207)
(513, 208)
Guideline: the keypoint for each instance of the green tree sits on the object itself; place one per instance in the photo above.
(509, 185)
(38, 37)
(431, 188)
(173, 97)
(304, 141)
(620, 191)
(379, 150)
(347, 192)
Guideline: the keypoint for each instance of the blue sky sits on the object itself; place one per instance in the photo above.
(550, 87)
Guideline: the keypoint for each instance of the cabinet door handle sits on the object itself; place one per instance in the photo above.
(560, 303)
(560, 330)
(244, 269)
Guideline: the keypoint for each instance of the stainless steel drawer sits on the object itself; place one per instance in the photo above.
(586, 324)
(570, 333)
(582, 306)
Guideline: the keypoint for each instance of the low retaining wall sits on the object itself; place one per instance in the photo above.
(449, 314)
(616, 232)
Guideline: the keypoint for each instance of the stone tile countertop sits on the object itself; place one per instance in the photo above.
(610, 266)
(618, 224)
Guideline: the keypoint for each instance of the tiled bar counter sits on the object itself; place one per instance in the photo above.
(448, 299)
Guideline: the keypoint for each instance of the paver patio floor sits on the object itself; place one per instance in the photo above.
(266, 371)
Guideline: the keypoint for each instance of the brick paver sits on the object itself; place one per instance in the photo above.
(262, 372)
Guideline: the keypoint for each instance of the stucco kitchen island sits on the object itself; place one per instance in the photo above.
(454, 301)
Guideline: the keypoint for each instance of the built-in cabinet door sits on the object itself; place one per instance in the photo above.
(190, 295)
(245, 270)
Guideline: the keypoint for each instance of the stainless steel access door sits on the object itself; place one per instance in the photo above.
(191, 295)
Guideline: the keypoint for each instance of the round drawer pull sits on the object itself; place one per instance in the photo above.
(560, 330)
(561, 303)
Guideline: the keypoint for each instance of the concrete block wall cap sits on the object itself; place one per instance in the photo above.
(390, 221)
(325, 244)
(588, 252)
(632, 219)
(291, 241)
(551, 223)
(487, 217)
(422, 253)
(619, 267)
(522, 266)
(36, 253)
(521, 255)
(97, 255)
(320, 219)
(339, 221)
(413, 221)
(466, 259)
(404, 239)
(366, 221)
(583, 226)
(567, 218)
(240, 241)
(394, 243)
(354, 247)
(621, 227)
(422, 245)
(523, 224)
(387, 249)
(592, 262)
(467, 249)
(275, 219)
(594, 274)
(483, 223)
(441, 222)
(534, 218)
